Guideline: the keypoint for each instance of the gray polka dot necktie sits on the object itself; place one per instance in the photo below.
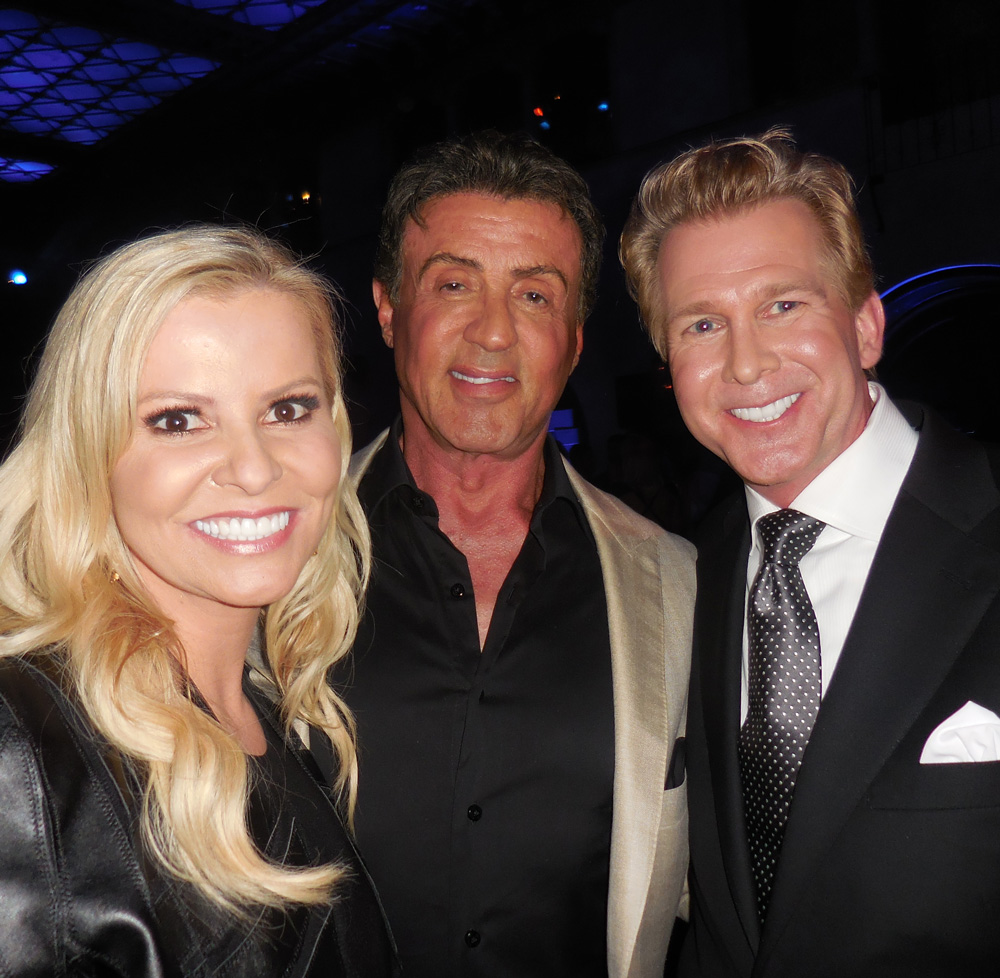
(785, 688)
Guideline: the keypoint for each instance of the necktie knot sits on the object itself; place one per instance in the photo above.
(787, 535)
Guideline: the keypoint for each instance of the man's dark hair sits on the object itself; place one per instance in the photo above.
(509, 166)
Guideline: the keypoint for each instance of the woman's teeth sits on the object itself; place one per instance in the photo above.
(244, 530)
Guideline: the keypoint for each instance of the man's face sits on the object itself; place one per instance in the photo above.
(767, 360)
(485, 331)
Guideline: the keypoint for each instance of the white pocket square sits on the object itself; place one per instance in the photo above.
(971, 734)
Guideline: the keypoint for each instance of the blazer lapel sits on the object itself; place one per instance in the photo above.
(645, 654)
(928, 588)
(718, 659)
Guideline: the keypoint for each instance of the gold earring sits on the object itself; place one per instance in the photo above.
(115, 578)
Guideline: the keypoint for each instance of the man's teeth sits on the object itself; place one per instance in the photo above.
(481, 380)
(768, 412)
(245, 530)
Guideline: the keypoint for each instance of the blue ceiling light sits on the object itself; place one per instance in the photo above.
(78, 84)
(17, 277)
(272, 15)
(22, 171)
(603, 107)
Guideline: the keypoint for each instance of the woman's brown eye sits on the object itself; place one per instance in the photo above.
(174, 421)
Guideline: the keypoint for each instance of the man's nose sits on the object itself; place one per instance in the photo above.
(494, 327)
(248, 462)
(749, 354)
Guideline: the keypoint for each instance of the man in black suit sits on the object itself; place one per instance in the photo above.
(844, 724)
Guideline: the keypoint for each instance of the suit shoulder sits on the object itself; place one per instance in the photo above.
(721, 521)
(624, 522)
(958, 478)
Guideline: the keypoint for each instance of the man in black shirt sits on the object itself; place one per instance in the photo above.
(519, 677)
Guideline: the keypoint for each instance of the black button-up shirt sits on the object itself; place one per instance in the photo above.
(484, 812)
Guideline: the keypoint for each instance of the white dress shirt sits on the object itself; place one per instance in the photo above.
(853, 495)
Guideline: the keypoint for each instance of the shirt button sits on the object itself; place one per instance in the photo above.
(418, 502)
(457, 591)
(472, 937)
(475, 813)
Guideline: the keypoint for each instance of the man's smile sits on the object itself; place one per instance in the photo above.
(769, 412)
(481, 380)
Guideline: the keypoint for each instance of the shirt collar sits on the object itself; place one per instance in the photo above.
(857, 490)
(556, 485)
(388, 471)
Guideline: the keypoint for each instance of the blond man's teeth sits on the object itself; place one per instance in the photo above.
(769, 412)
(245, 530)
(481, 380)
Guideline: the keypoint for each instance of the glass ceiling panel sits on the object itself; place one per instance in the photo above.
(22, 171)
(269, 14)
(78, 84)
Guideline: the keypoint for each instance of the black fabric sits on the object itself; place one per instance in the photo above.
(486, 777)
(889, 867)
(79, 896)
(290, 821)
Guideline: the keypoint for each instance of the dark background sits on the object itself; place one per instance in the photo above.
(907, 96)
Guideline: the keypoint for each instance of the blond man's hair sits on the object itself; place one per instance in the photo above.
(729, 178)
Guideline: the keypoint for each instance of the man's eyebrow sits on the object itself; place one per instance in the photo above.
(520, 273)
(447, 258)
(769, 290)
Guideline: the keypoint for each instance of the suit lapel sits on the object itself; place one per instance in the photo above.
(642, 652)
(362, 458)
(719, 642)
(928, 588)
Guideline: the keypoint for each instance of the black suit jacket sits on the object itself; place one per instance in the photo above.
(888, 867)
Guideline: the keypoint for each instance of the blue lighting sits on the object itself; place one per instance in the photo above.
(544, 124)
(563, 428)
(603, 106)
(272, 15)
(77, 84)
(377, 36)
(17, 277)
(22, 171)
(931, 289)
(914, 279)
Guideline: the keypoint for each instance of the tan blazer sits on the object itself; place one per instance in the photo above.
(649, 585)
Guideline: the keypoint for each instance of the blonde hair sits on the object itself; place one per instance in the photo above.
(732, 177)
(62, 550)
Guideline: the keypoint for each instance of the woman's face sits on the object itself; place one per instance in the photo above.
(231, 473)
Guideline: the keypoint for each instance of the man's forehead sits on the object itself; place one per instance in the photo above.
(480, 199)
(447, 222)
(777, 232)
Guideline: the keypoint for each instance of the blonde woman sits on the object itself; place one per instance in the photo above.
(177, 497)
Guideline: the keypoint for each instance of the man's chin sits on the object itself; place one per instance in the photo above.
(500, 442)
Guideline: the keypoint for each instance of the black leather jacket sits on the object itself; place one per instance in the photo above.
(77, 897)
